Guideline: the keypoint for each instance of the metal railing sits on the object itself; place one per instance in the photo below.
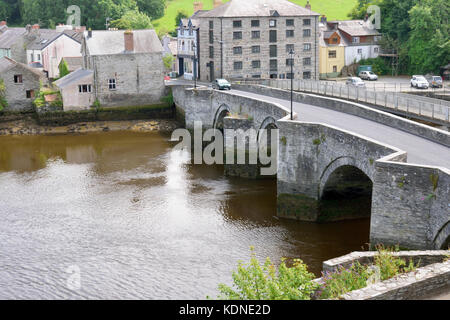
(424, 107)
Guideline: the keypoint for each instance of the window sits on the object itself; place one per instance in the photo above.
(359, 51)
(256, 64)
(84, 88)
(307, 61)
(334, 68)
(332, 54)
(289, 75)
(211, 36)
(335, 40)
(289, 33)
(355, 39)
(18, 78)
(238, 65)
(307, 33)
(237, 24)
(30, 94)
(256, 76)
(273, 51)
(273, 36)
(256, 34)
(306, 22)
(31, 57)
(273, 65)
(38, 57)
(112, 84)
(307, 46)
(237, 50)
(307, 75)
(256, 49)
(237, 35)
(289, 48)
(376, 49)
(272, 23)
(289, 62)
(211, 24)
(211, 52)
(289, 22)
(255, 23)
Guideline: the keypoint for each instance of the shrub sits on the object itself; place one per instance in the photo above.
(379, 65)
(3, 102)
(254, 281)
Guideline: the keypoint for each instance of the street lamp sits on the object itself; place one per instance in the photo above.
(194, 47)
(291, 62)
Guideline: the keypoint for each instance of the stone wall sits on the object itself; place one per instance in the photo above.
(139, 79)
(432, 276)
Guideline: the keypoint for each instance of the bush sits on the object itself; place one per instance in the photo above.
(379, 65)
(3, 102)
(253, 281)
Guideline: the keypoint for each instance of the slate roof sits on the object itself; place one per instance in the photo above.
(112, 42)
(10, 36)
(258, 8)
(73, 77)
(7, 63)
(356, 28)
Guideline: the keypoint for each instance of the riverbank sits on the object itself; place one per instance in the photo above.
(31, 127)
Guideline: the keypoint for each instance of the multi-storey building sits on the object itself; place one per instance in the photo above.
(254, 38)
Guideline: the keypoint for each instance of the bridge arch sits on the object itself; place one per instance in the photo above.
(345, 191)
(222, 112)
(442, 238)
(268, 123)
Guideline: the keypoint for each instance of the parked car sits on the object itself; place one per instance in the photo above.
(368, 75)
(221, 84)
(435, 81)
(356, 82)
(418, 81)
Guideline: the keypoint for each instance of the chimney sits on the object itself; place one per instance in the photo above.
(217, 3)
(35, 27)
(129, 40)
(2, 23)
(80, 29)
(90, 33)
(198, 6)
(323, 19)
(308, 6)
(366, 17)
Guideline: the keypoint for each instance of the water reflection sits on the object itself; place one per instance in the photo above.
(138, 220)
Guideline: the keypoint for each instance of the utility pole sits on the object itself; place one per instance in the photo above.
(194, 47)
(291, 56)
(107, 22)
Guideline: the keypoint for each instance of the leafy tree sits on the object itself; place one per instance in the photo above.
(3, 102)
(181, 14)
(63, 69)
(168, 60)
(133, 20)
(253, 281)
(153, 8)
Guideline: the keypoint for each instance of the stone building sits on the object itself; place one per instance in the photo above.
(253, 38)
(77, 90)
(21, 82)
(127, 66)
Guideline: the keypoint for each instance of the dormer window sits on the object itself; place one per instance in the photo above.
(355, 39)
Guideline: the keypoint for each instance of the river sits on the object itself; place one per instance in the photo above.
(121, 215)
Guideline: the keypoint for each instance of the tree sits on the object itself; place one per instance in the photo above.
(152, 8)
(63, 69)
(168, 60)
(3, 102)
(133, 20)
(181, 14)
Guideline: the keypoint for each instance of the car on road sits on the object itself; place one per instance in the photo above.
(435, 81)
(356, 82)
(368, 75)
(221, 84)
(418, 81)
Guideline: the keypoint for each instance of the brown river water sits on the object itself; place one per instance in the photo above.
(121, 215)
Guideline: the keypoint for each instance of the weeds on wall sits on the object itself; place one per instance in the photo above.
(3, 102)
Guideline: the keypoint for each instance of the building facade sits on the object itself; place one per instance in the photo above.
(21, 83)
(332, 53)
(252, 39)
(127, 66)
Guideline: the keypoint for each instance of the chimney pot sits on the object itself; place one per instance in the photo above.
(198, 6)
(90, 33)
(308, 5)
(2, 23)
(129, 40)
(35, 26)
(217, 3)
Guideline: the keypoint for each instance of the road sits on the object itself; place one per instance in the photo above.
(420, 151)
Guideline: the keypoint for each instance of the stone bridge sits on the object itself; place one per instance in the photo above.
(326, 173)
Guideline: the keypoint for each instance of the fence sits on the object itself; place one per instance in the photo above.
(424, 107)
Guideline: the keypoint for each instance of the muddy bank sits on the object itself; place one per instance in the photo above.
(30, 127)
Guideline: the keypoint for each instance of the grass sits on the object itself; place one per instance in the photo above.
(334, 10)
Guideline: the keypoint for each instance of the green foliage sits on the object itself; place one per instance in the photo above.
(254, 281)
(96, 104)
(168, 60)
(389, 265)
(379, 65)
(154, 9)
(283, 140)
(133, 19)
(63, 69)
(168, 100)
(181, 14)
(3, 102)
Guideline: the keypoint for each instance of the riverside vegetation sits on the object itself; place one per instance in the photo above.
(255, 281)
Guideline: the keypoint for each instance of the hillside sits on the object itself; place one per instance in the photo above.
(333, 9)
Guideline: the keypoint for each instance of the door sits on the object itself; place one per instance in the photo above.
(180, 66)
(211, 70)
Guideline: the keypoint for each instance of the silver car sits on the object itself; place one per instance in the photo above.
(356, 82)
